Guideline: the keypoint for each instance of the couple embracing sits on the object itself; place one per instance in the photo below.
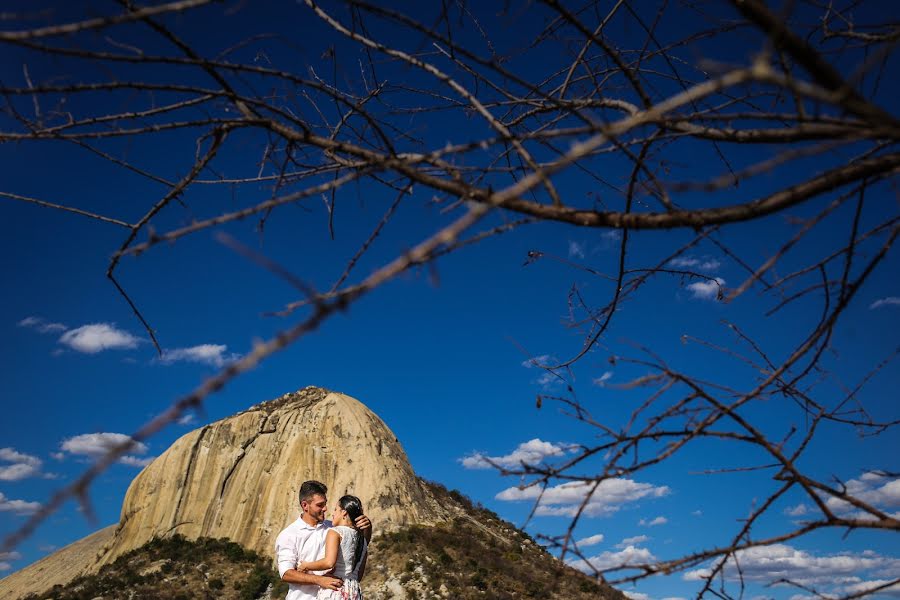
(322, 559)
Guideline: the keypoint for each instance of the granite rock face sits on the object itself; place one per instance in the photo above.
(239, 477)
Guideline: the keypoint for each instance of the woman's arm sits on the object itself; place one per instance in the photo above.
(323, 581)
(332, 544)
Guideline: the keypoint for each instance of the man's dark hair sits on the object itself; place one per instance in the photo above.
(311, 488)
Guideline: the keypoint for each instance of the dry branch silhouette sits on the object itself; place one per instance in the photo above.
(577, 100)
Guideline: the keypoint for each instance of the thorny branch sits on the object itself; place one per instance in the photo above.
(575, 124)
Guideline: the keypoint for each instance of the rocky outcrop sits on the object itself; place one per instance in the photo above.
(239, 477)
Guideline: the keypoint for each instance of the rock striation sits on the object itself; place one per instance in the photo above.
(239, 477)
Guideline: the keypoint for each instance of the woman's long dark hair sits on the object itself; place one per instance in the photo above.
(354, 509)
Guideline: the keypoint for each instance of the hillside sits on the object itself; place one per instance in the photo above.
(474, 555)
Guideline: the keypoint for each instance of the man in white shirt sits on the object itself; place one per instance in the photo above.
(304, 540)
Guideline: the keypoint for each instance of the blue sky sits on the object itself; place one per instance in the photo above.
(442, 355)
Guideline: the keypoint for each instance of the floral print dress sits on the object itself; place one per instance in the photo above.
(344, 567)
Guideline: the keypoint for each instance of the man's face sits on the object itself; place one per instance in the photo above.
(316, 507)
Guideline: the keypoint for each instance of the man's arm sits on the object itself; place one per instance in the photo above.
(364, 525)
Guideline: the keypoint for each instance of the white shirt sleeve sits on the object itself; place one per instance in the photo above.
(286, 553)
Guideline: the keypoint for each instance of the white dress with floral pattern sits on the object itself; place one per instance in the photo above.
(344, 567)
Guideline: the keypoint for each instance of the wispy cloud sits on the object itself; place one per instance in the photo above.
(591, 540)
(7, 556)
(565, 499)
(607, 375)
(611, 235)
(95, 445)
(707, 290)
(41, 325)
(632, 541)
(653, 522)
(22, 465)
(576, 250)
(215, 355)
(889, 301)
(135, 461)
(188, 419)
(17, 507)
(537, 361)
(797, 511)
(531, 452)
(695, 263)
(97, 337)
(547, 379)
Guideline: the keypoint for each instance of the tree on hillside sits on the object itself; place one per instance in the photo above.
(626, 118)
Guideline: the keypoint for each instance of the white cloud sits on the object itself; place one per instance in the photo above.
(576, 250)
(536, 361)
(187, 419)
(7, 556)
(210, 354)
(889, 301)
(23, 465)
(607, 375)
(95, 445)
(873, 488)
(17, 507)
(549, 380)
(636, 595)
(691, 262)
(41, 325)
(565, 499)
(873, 584)
(530, 452)
(653, 522)
(592, 540)
(629, 556)
(631, 541)
(135, 461)
(697, 513)
(97, 337)
(797, 511)
(707, 290)
(780, 561)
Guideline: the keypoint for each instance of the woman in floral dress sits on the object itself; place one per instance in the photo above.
(345, 552)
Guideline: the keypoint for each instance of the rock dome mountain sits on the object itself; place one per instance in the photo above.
(238, 478)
